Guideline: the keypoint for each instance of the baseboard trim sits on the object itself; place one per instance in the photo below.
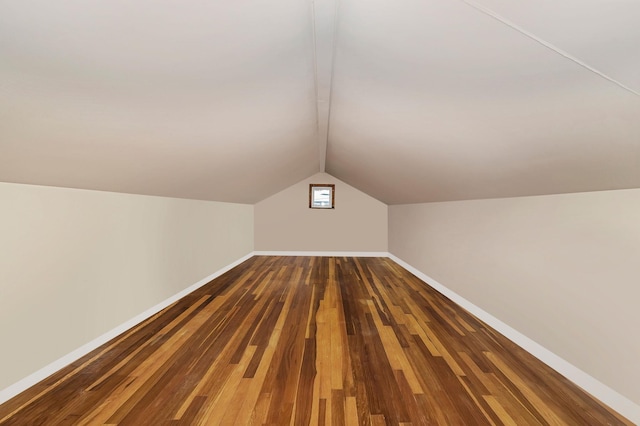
(324, 253)
(589, 384)
(22, 385)
(613, 399)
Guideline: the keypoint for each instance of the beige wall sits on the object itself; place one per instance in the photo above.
(284, 221)
(74, 264)
(563, 270)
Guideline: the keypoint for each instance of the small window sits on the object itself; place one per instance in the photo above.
(322, 196)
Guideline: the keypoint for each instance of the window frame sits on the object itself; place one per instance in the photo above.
(313, 204)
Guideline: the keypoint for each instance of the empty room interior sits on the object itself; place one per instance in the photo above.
(423, 212)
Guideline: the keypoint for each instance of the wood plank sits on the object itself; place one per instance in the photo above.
(309, 340)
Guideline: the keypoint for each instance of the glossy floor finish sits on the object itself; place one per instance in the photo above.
(309, 340)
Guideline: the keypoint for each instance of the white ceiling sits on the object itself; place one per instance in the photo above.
(411, 101)
(194, 99)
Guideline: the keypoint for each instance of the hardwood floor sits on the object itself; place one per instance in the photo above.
(309, 340)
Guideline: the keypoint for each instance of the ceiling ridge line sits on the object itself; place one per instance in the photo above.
(324, 16)
(336, 17)
(315, 79)
(315, 58)
(499, 18)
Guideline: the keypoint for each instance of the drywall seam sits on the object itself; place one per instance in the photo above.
(67, 359)
(521, 30)
(323, 253)
(599, 390)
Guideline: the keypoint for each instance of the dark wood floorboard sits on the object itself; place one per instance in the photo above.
(309, 340)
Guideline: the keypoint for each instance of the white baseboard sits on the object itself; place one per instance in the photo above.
(324, 253)
(62, 362)
(599, 390)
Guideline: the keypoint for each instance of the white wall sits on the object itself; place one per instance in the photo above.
(74, 264)
(564, 270)
(284, 221)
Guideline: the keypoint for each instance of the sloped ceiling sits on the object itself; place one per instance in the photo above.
(194, 99)
(411, 101)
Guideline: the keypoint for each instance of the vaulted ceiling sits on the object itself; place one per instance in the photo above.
(409, 101)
